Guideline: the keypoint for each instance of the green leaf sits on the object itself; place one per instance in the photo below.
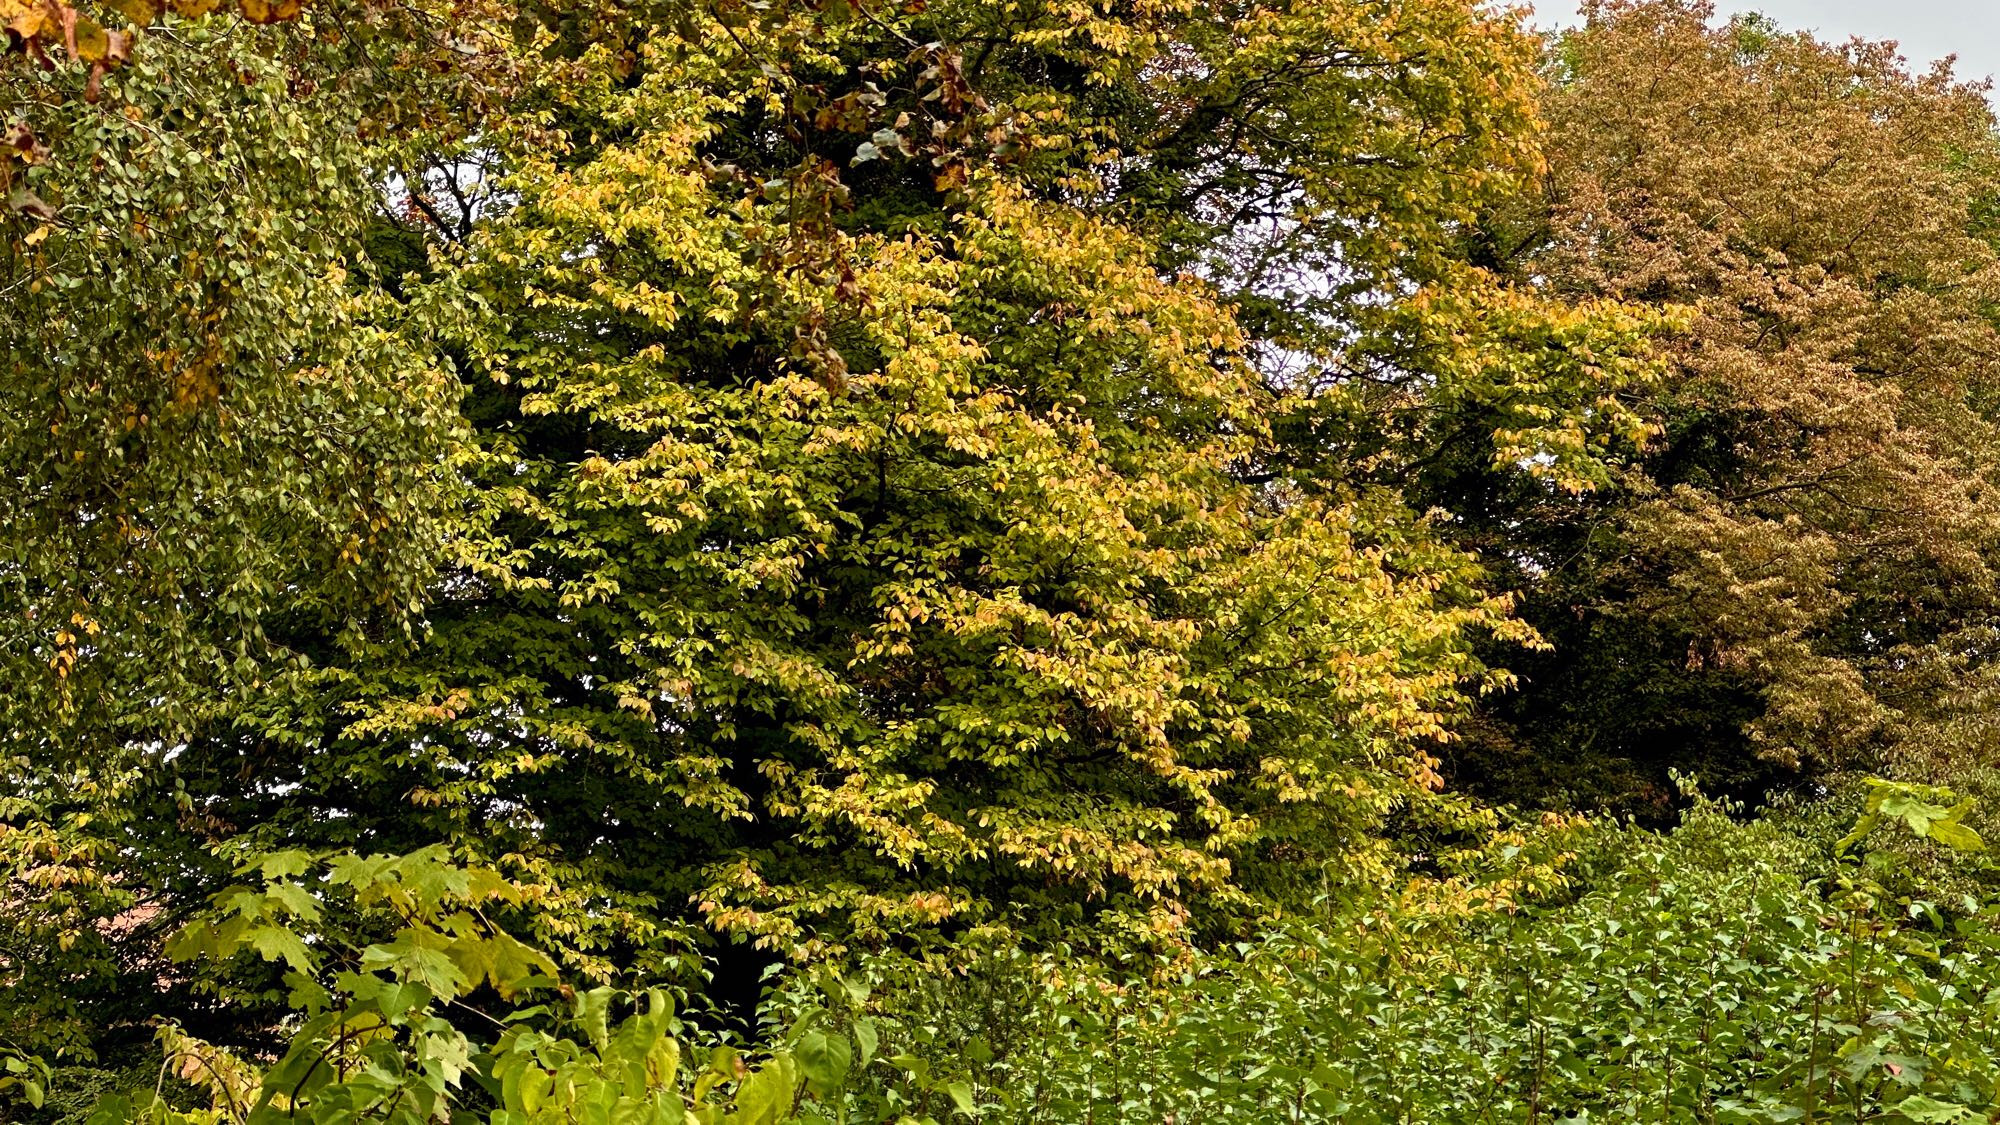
(283, 864)
(1862, 827)
(765, 1097)
(1918, 1108)
(420, 956)
(867, 1038)
(275, 943)
(1957, 836)
(824, 1059)
(592, 1013)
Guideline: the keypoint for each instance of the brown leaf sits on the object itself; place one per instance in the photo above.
(28, 20)
(193, 9)
(21, 140)
(140, 12)
(25, 202)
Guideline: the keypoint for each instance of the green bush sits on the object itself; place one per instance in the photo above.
(1726, 972)
(1769, 970)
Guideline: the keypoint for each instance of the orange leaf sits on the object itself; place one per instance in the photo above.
(27, 22)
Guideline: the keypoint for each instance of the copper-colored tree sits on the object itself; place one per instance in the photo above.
(1799, 574)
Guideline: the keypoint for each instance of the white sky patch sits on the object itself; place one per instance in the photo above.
(1927, 30)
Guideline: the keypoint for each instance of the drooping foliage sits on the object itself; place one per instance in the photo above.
(210, 441)
(1724, 972)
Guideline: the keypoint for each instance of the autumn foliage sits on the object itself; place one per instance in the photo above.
(545, 499)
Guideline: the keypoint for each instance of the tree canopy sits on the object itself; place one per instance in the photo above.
(512, 498)
(1795, 575)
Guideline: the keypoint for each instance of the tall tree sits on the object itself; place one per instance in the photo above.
(1799, 574)
(913, 468)
(880, 525)
(217, 441)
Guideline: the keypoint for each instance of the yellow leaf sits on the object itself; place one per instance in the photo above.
(268, 11)
(27, 22)
(91, 41)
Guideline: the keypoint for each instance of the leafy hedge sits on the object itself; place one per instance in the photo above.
(1726, 972)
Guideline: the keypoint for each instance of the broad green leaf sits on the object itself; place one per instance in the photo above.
(824, 1059)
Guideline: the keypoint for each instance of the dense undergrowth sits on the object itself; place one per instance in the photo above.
(1777, 968)
(1725, 971)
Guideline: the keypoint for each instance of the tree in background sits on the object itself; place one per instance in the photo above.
(211, 441)
(1798, 575)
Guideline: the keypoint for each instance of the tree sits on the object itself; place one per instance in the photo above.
(813, 476)
(218, 449)
(1797, 576)
(876, 531)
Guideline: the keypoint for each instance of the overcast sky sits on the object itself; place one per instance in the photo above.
(1927, 29)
